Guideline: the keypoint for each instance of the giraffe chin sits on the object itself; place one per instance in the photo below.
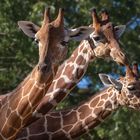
(120, 64)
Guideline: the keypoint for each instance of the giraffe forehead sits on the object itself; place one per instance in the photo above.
(108, 31)
(51, 29)
(107, 26)
(43, 32)
(98, 36)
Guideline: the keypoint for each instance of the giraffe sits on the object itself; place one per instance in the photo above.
(17, 107)
(71, 123)
(122, 59)
(82, 56)
(71, 71)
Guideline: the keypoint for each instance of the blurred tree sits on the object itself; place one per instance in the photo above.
(18, 54)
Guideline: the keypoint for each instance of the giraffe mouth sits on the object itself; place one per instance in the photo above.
(121, 64)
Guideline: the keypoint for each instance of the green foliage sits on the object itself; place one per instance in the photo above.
(18, 54)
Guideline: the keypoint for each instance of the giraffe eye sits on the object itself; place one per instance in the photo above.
(96, 38)
(36, 40)
(131, 87)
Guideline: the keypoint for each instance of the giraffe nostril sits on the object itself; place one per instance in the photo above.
(121, 54)
(42, 67)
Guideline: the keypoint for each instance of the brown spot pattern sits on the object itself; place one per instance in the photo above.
(37, 128)
(14, 118)
(35, 98)
(53, 123)
(60, 83)
(70, 118)
(39, 137)
(59, 72)
(84, 111)
(73, 56)
(101, 103)
(94, 102)
(105, 96)
(108, 105)
(98, 110)
(67, 128)
(8, 130)
(23, 107)
(79, 73)
(68, 70)
(80, 60)
(78, 126)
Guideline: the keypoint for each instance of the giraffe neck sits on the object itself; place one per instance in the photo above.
(47, 80)
(18, 106)
(67, 76)
(1, 99)
(75, 66)
(71, 123)
(4, 98)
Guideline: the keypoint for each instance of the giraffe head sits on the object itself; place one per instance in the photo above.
(52, 38)
(105, 38)
(128, 87)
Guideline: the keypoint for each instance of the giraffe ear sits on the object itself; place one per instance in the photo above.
(105, 79)
(115, 83)
(80, 33)
(29, 28)
(119, 30)
(109, 81)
